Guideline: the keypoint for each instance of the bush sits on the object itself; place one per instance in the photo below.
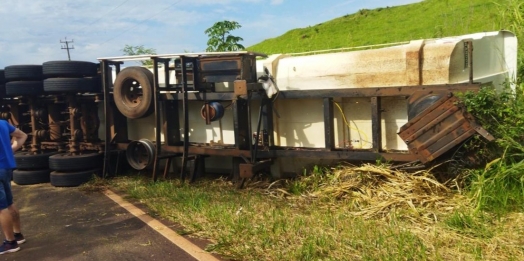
(499, 186)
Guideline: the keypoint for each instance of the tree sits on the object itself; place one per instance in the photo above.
(221, 40)
(139, 50)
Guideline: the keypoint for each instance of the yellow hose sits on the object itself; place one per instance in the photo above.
(349, 126)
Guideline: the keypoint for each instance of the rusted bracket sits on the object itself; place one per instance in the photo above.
(483, 132)
(248, 170)
(207, 113)
(242, 88)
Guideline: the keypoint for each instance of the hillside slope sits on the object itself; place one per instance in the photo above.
(427, 19)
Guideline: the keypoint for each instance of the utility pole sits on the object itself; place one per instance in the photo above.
(66, 42)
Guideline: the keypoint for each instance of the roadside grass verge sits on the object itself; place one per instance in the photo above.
(344, 213)
(423, 20)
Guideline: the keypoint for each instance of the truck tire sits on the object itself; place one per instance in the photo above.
(72, 179)
(20, 88)
(68, 162)
(53, 85)
(23, 73)
(133, 92)
(29, 177)
(53, 69)
(28, 161)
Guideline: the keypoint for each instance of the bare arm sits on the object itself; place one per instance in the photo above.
(19, 138)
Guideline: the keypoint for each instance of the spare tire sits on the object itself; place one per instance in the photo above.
(72, 85)
(69, 69)
(24, 88)
(29, 177)
(133, 92)
(69, 162)
(29, 161)
(72, 179)
(23, 73)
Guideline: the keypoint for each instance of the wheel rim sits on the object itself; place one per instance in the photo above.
(132, 93)
(140, 154)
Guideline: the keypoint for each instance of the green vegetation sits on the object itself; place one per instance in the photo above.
(371, 212)
(221, 39)
(139, 50)
(512, 15)
(427, 19)
(499, 185)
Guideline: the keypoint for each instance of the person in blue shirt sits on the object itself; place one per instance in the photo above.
(11, 140)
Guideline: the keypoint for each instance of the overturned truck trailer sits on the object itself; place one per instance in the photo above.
(245, 112)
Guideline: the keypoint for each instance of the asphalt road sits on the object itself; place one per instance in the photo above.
(70, 224)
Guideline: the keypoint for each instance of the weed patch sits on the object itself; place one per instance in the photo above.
(346, 213)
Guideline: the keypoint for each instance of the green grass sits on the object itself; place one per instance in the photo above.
(427, 19)
(258, 224)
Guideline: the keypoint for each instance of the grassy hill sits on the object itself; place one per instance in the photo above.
(427, 19)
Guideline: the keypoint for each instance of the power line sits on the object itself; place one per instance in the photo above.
(102, 16)
(66, 47)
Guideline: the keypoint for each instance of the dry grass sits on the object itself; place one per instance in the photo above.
(346, 213)
(377, 191)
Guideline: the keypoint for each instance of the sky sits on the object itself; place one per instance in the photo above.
(31, 31)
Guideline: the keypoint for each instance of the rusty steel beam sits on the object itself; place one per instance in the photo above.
(240, 123)
(171, 123)
(352, 155)
(156, 105)
(469, 45)
(329, 124)
(356, 155)
(197, 168)
(74, 124)
(333, 93)
(34, 137)
(105, 72)
(55, 117)
(376, 123)
(116, 124)
(268, 139)
(377, 92)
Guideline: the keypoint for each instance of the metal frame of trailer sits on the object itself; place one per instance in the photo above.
(249, 157)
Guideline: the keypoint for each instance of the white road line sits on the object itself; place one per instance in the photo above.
(165, 231)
